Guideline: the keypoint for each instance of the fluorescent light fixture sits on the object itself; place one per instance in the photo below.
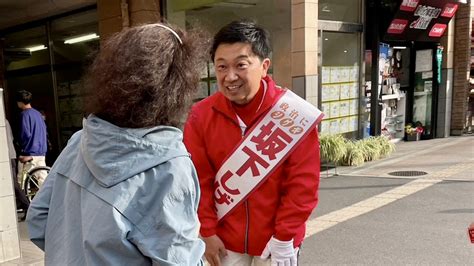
(400, 47)
(326, 9)
(235, 4)
(83, 38)
(37, 48)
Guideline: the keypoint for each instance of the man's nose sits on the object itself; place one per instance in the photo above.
(231, 75)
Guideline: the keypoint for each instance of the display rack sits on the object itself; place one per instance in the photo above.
(393, 100)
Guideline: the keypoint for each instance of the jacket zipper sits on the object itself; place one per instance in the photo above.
(243, 128)
(246, 226)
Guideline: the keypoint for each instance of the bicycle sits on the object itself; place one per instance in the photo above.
(30, 179)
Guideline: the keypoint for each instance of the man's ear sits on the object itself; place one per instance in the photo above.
(265, 65)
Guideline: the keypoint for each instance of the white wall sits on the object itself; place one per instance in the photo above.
(9, 240)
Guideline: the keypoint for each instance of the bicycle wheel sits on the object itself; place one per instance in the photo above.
(31, 185)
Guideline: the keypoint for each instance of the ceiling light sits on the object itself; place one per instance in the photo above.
(400, 47)
(326, 9)
(234, 4)
(326, 39)
(345, 51)
(83, 38)
(37, 48)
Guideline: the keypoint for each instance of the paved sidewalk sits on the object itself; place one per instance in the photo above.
(442, 159)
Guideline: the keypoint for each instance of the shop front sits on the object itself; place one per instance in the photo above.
(48, 58)
(405, 56)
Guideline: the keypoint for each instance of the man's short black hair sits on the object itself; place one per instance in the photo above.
(244, 31)
(24, 96)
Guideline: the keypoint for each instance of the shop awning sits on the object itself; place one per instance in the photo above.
(422, 20)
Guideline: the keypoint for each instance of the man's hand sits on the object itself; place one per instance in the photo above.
(214, 250)
(282, 253)
(25, 159)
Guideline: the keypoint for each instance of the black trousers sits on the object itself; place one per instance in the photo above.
(22, 201)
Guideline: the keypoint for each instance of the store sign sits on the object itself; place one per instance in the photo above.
(421, 20)
(449, 10)
(409, 5)
(397, 26)
(437, 30)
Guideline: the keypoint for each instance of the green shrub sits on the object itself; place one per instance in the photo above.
(354, 154)
(339, 150)
(333, 148)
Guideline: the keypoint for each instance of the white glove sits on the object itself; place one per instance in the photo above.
(281, 253)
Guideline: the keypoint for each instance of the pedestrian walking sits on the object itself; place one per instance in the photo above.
(33, 137)
(124, 190)
(255, 147)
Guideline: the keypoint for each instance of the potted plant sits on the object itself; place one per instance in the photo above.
(413, 132)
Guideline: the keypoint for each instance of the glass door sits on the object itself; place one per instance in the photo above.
(424, 84)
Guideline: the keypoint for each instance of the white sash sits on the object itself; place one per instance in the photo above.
(263, 149)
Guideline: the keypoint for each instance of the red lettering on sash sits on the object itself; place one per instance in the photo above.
(271, 142)
(252, 163)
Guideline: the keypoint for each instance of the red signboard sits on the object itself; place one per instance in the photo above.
(397, 26)
(421, 20)
(409, 5)
(437, 30)
(449, 10)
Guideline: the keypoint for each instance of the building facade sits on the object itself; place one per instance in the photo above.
(324, 50)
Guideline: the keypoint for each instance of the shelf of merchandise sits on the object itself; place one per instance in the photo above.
(392, 96)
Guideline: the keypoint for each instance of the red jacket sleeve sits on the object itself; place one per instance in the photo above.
(194, 141)
(299, 189)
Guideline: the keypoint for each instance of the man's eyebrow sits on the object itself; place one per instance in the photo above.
(243, 56)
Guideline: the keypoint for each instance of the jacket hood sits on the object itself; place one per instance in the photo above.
(113, 154)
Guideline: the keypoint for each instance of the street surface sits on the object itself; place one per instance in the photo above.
(367, 217)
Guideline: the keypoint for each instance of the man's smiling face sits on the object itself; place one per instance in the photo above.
(239, 71)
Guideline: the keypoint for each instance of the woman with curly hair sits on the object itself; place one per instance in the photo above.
(124, 191)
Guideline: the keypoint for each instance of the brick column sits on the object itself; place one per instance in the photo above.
(462, 50)
(304, 49)
(115, 15)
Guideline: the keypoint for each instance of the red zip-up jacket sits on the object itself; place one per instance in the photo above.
(280, 206)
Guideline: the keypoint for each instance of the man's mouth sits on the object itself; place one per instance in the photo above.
(233, 87)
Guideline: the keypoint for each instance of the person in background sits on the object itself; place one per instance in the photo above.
(50, 153)
(124, 190)
(22, 201)
(269, 222)
(33, 137)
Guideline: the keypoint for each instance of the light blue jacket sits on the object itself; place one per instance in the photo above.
(119, 196)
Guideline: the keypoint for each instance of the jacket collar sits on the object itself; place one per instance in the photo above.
(224, 106)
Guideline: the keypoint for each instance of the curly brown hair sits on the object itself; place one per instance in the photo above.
(144, 76)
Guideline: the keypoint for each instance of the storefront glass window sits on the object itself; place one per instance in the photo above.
(32, 63)
(27, 65)
(340, 10)
(340, 83)
(75, 37)
(211, 15)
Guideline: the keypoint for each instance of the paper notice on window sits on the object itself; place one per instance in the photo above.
(427, 75)
(424, 60)
(326, 75)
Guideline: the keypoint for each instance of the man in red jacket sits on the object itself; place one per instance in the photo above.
(268, 225)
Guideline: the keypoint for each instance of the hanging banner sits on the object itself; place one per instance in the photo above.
(421, 20)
